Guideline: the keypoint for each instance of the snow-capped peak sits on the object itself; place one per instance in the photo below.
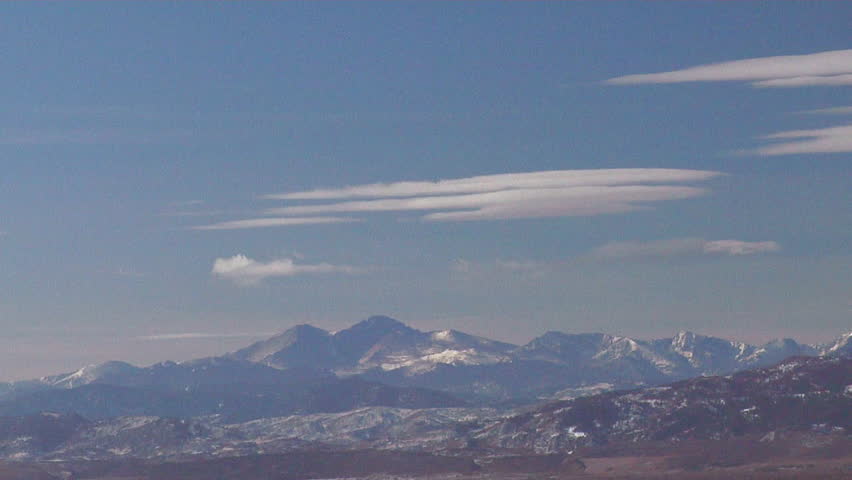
(89, 374)
(841, 346)
(444, 335)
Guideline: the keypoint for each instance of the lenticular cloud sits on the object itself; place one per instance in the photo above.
(541, 194)
(505, 181)
(557, 193)
(831, 68)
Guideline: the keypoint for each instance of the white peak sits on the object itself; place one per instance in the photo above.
(88, 374)
(684, 339)
(79, 377)
(838, 344)
(445, 335)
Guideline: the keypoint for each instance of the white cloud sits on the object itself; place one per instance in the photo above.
(509, 196)
(831, 68)
(823, 68)
(680, 247)
(513, 204)
(246, 271)
(822, 140)
(273, 222)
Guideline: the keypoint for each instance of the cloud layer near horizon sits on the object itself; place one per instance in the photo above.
(246, 271)
(617, 252)
(830, 68)
(539, 194)
(199, 336)
(846, 110)
(273, 222)
(681, 247)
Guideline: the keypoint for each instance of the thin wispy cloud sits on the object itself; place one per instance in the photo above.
(815, 69)
(460, 265)
(830, 111)
(128, 272)
(77, 111)
(672, 248)
(198, 208)
(519, 265)
(273, 222)
(519, 268)
(91, 136)
(678, 247)
(739, 247)
(540, 194)
(188, 203)
(807, 81)
(202, 213)
(831, 68)
(246, 271)
(821, 140)
(199, 335)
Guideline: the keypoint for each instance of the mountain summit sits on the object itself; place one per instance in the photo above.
(378, 332)
(299, 346)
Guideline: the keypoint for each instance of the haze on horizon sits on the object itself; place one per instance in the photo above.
(182, 179)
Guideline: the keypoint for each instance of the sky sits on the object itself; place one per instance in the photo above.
(179, 179)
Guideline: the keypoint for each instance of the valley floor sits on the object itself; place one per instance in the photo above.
(704, 460)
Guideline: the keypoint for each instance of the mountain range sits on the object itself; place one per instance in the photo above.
(804, 398)
(382, 399)
(481, 370)
(383, 362)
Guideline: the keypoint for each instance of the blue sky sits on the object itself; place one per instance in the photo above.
(127, 128)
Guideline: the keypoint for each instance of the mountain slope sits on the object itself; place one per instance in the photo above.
(300, 346)
(184, 376)
(233, 402)
(800, 394)
(804, 398)
(841, 347)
